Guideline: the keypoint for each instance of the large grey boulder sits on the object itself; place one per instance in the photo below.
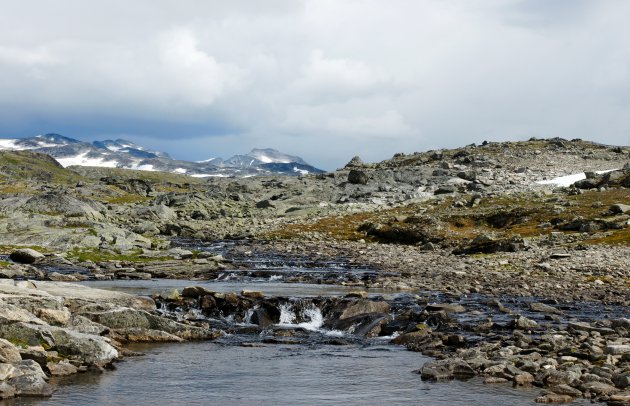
(62, 204)
(126, 320)
(73, 295)
(357, 177)
(28, 379)
(85, 348)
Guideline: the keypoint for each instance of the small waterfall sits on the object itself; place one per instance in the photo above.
(287, 316)
(315, 317)
(247, 318)
(312, 318)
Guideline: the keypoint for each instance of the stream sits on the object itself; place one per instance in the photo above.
(249, 366)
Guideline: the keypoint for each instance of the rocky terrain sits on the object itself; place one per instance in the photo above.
(531, 273)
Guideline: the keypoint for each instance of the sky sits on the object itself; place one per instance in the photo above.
(322, 79)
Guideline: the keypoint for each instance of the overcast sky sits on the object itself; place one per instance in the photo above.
(323, 79)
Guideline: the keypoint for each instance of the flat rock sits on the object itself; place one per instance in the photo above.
(543, 308)
(365, 307)
(554, 398)
(617, 349)
(446, 307)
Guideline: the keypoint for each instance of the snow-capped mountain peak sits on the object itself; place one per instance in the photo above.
(126, 154)
(270, 155)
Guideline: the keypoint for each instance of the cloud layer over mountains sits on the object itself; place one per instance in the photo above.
(323, 79)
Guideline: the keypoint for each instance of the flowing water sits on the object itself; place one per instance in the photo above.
(314, 367)
(226, 373)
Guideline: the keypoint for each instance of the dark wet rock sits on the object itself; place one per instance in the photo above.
(261, 318)
(362, 325)
(543, 308)
(196, 291)
(563, 389)
(486, 244)
(446, 189)
(364, 307)
(265, 204)
(598, 388)
(412, 338)
(446, 307)
(446, 370)
(253, 294)
(26, 256)
(622, 380)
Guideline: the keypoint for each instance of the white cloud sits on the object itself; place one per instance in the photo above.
(337, 77)
(194, 77)
(297, 73)
(26, 56)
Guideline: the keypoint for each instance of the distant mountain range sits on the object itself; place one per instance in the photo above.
(125, 154)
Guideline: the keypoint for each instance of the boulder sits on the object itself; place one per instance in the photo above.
(619, 208)
(86, 348)
(26, 256)
(543, 308)
(28, 379)
(523, 323)
(57, 203)
(8, 352)
(446, 369)
(357, 177)
(446, 307)
(122, 319)
(364, 307)
(61, 368)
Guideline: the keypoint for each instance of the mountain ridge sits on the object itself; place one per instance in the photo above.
(121, 153)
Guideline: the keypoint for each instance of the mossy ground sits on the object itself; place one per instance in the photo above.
(525, 215)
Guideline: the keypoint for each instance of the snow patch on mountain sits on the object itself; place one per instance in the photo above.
(270, 155)
(128, 155)
(8, 144)
(568, 180)
(84, 160)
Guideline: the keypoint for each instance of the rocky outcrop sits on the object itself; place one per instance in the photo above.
(49, 328)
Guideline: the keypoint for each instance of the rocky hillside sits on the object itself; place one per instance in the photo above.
(543, 223)
(496, 197)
